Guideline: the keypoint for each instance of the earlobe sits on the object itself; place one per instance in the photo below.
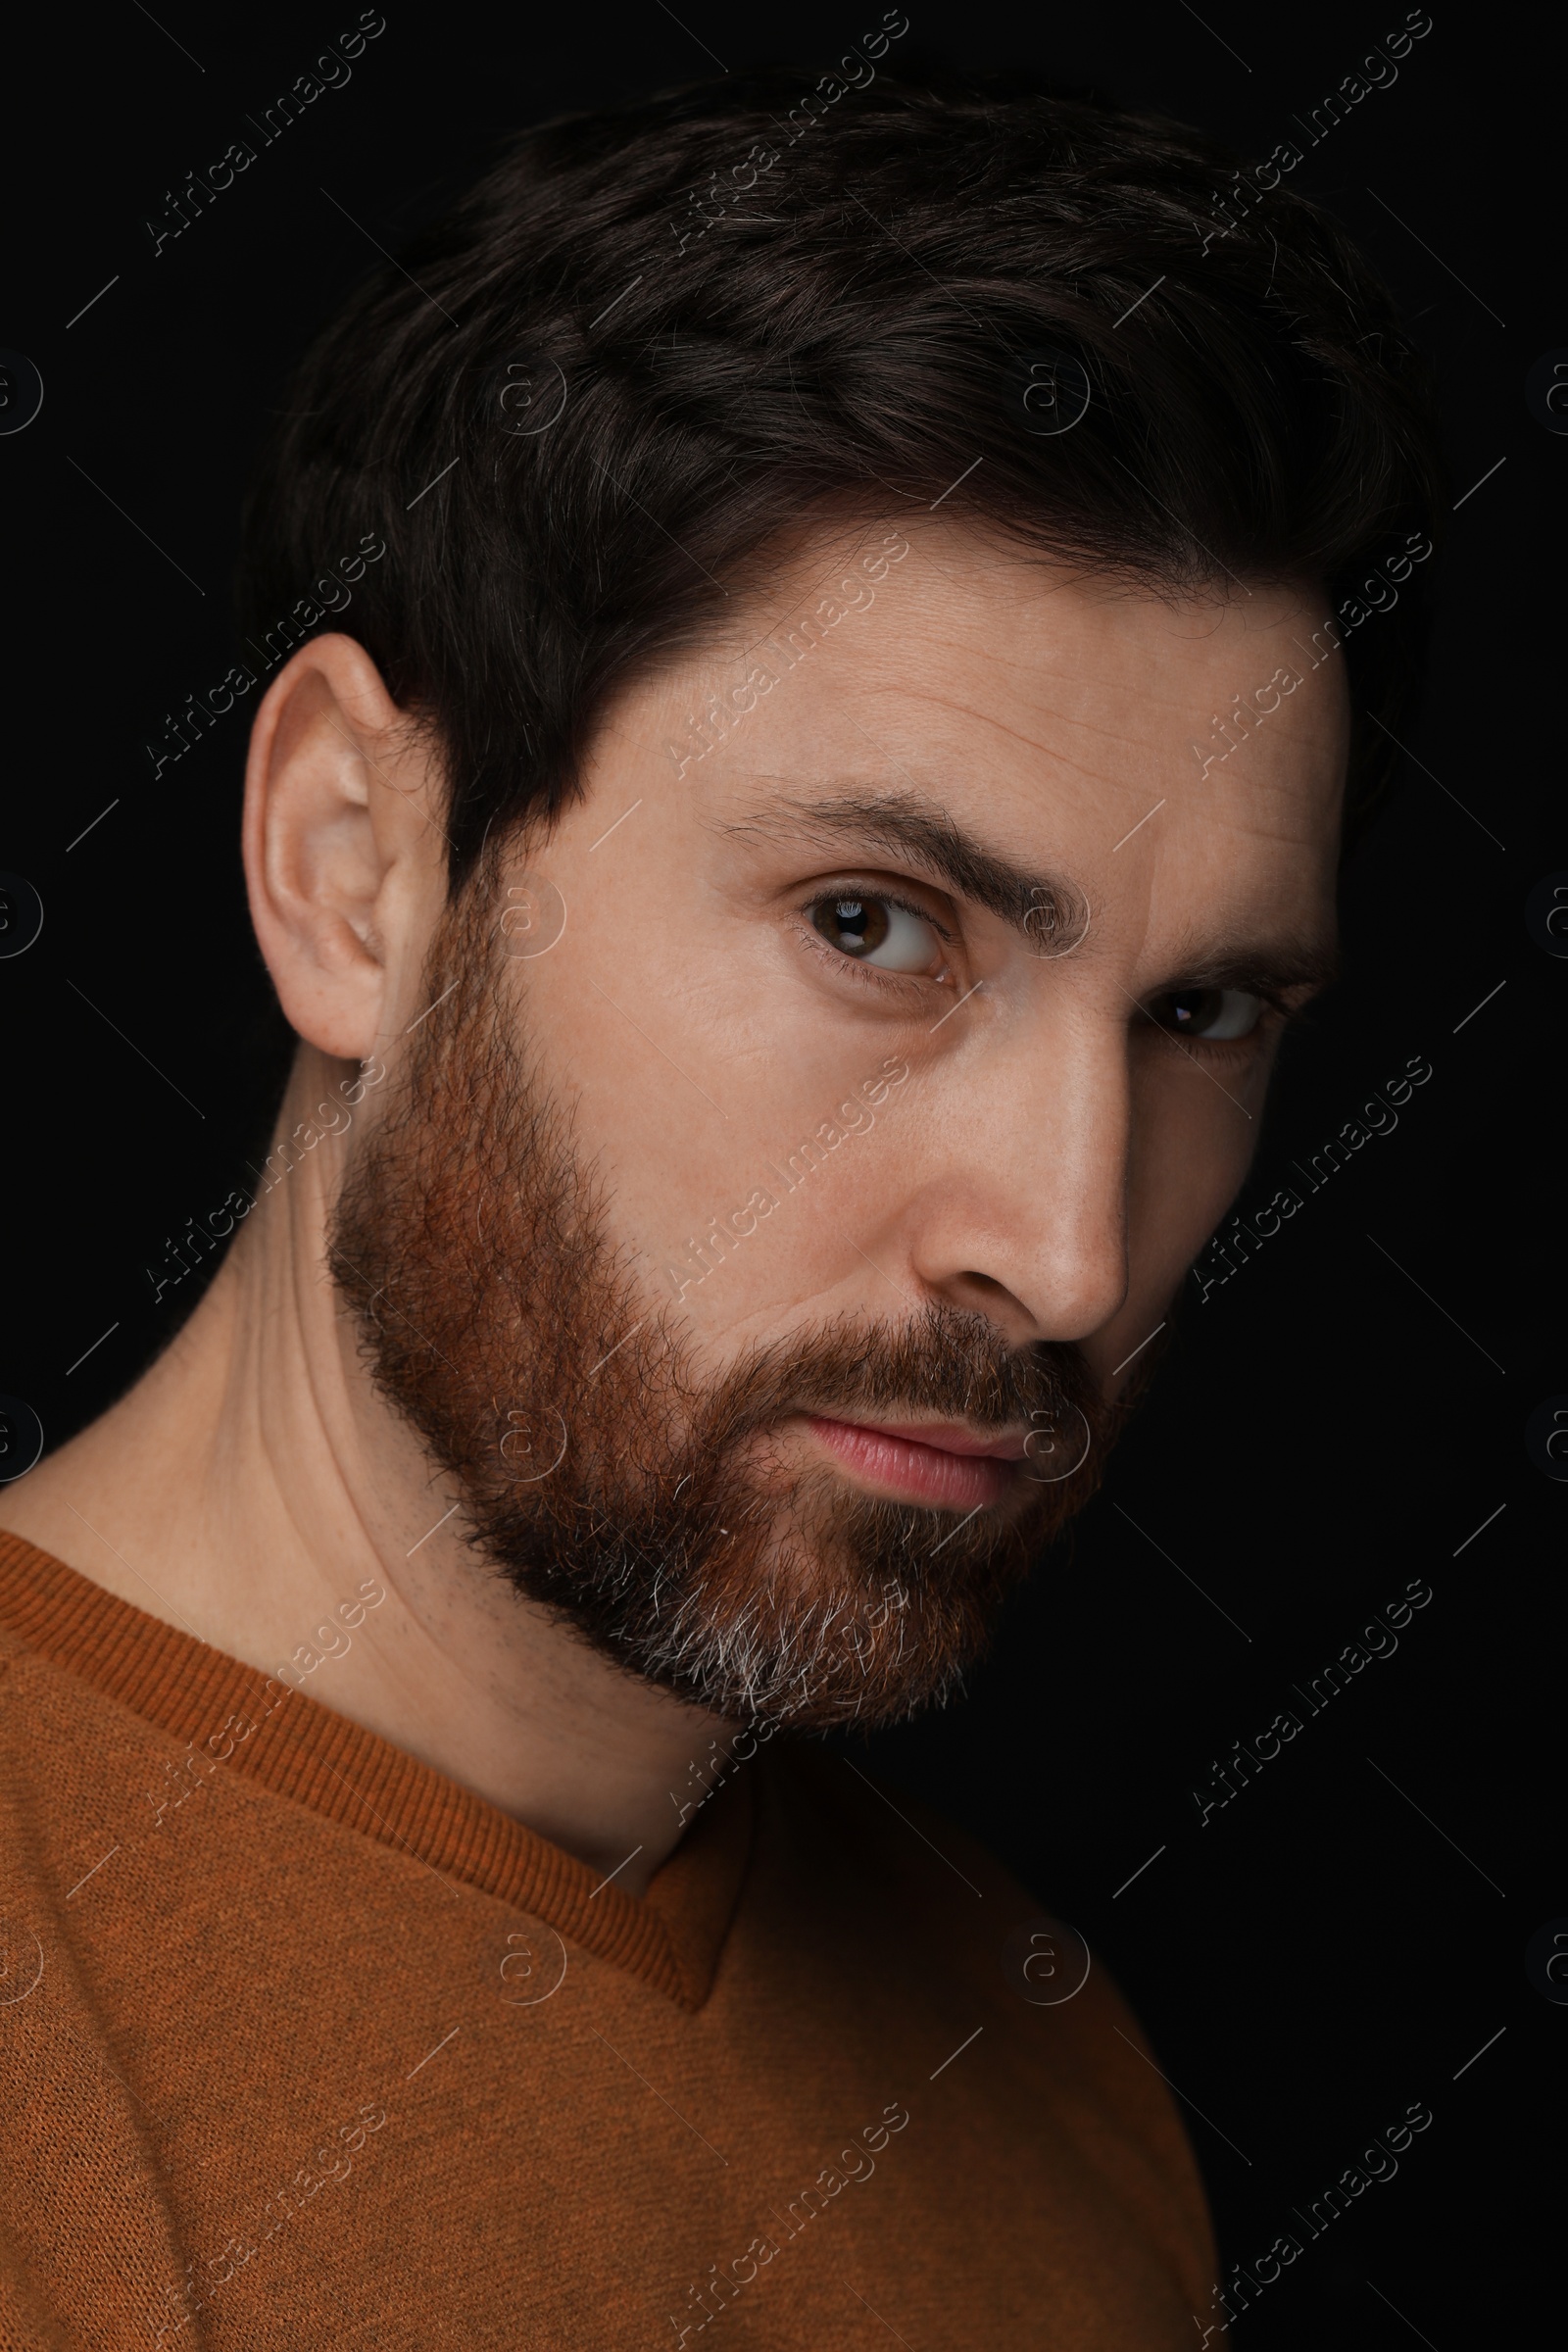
(331, 819)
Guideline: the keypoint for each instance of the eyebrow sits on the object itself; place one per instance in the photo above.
(920, 832)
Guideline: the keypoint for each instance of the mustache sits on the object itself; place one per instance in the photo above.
(941, 1361)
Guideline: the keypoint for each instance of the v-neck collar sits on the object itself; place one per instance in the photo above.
(671, 1938)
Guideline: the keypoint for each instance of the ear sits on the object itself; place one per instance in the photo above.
(343, 846)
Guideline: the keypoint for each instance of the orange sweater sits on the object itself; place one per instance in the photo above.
(302, 2045)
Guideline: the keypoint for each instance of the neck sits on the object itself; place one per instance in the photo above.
(253, 1489)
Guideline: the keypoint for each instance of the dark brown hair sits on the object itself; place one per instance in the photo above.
(654, 336)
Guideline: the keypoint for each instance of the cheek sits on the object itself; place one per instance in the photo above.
(713, 1119)
(1194, 1133)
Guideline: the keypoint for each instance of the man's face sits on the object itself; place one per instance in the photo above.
(817, 1128)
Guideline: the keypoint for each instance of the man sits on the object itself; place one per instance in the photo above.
(814, 666)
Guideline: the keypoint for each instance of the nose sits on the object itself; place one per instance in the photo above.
(1019, 1208)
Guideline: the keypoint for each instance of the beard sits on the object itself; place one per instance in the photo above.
(643, 1502)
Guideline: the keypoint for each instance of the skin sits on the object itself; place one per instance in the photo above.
(1054, 1160)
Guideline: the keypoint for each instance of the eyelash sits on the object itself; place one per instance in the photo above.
(1276, 1016)
(869, 975)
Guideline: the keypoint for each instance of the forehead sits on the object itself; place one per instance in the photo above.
(1048, 711)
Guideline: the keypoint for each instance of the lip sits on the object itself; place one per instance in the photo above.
(935, 1462)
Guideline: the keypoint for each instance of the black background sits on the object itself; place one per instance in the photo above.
(1340, 1940)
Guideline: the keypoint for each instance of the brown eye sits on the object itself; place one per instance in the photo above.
(879, 932)
(857, 926)
(1217, 1014)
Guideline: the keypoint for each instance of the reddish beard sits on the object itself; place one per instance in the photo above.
(647, 1508)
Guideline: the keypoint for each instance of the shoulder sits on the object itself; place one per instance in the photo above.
(897, 1903)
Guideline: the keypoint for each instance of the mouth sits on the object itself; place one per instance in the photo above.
(939, 1463)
